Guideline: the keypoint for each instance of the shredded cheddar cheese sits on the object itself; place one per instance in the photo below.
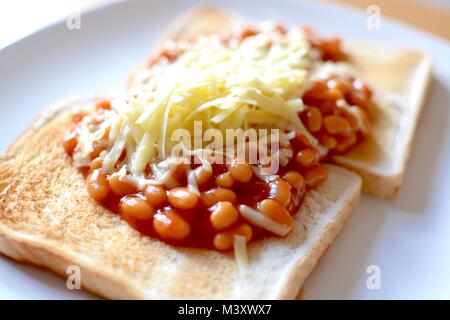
(256, 84)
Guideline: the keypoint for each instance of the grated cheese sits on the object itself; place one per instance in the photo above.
(255, 84)
(240, 252)
(259, 219)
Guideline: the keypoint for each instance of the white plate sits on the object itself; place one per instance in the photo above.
(408, 238)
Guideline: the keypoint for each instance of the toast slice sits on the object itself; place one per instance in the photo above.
(400, 78)
(48, 219)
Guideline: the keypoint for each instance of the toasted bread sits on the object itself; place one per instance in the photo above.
(399, 77)
(48, 219)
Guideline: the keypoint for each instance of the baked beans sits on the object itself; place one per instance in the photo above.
(182, 198)
(337, 125)
(329, 48)
(168, 224)
(119, 186)
(361, 87)
(276, 212)
(104, 104)
(70, 141)
(96, 163)
(341, 127)
(202, 175)
(280, 192)
(97, 185)
(295, 179)
(346, 143)
(338, 84)
(99, 146)
(244, 230)
(307, 157)
(155, 195)
(313, 119)
(244, 33)
(328, 141)
(78, 116)
(136, 207)
(215, 195)
(225, 180)
(241, 172)
(223, 215)
(224, 240)
(315, 175)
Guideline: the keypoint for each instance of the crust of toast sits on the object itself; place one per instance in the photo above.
(48, 219)
(400, 78)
